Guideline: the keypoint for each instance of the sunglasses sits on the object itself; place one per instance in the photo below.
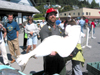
(50, 14)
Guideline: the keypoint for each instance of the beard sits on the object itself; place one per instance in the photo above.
(52, 20)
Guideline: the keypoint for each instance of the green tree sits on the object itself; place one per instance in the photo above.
(94, 4)
(38, 15)
(66, 8)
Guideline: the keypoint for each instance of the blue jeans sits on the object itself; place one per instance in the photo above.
(76, 70)
(32, 40)
(93, 30)
(82, 28)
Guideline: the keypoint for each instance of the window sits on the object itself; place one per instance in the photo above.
(69, 13)
(86, 13)
(73, 13)
(83, 13)
(78, 14)
(60, 14)
(65, 14)
(89, 13)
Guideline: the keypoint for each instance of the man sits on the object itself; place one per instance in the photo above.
(53, 63)
(58, 21)
(2, 45)
(82, 23)
(12, 36)
(42, 23)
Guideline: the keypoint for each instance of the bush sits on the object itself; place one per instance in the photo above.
(38, 15)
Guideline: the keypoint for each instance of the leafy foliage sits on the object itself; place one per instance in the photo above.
(38, 15)
(65, 4)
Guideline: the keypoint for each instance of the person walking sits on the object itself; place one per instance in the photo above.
(53, 63)
(2, 45)
(58, 21)
(86, 22)
(92, 24)
(12, 29)
(82, 23)
(31, 29)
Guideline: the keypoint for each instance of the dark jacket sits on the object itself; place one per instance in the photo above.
(48, 30)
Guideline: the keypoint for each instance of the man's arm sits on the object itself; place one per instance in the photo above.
(24, 24)
(5, 33)
(43, 33)
(4, 29)
(17, 33)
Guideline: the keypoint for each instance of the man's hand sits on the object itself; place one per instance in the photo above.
(53, 53)
(31, 33)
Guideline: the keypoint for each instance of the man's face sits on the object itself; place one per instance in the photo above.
(52, 17)
(42, 20)
(10, 18)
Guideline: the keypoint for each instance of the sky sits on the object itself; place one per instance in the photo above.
(97, 1)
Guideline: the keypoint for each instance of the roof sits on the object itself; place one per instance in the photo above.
(92, 17)
(9, 6)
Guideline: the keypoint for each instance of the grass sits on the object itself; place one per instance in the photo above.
(40, 18)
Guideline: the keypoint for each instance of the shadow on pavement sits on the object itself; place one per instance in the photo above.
(32, 72)
(23, 52)
(85, 73)
(1, 60)
(21, 47)
(9, 57)
(98, 42)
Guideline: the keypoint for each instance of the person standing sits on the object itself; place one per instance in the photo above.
(58, 21)
(77, 21)
(82, 23)
(2, 45)
(42, 23)
(53, 63)
(92, 24)
(12, 29)
(62, 25)
(31, 29)
(86, 22)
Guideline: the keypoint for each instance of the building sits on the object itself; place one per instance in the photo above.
(20, 9)
(23, 2)
(82, 12)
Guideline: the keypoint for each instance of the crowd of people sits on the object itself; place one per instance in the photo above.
(53, 63)
(84, 23)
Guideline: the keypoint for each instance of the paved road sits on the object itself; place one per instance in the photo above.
(35, 65)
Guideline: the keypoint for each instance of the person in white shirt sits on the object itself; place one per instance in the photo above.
(2, 45)
(62, 25)
(42, 23)
(31, 29)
